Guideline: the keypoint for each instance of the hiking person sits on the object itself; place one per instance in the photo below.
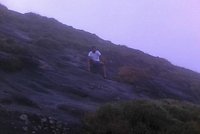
(95, 63)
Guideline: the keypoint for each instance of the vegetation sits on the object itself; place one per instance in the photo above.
(133, 75)
(15, 57)
(9, 45)
(144, 117)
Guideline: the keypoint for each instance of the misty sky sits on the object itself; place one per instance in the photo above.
(164, 28)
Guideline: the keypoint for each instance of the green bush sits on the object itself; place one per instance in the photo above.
(144, 117)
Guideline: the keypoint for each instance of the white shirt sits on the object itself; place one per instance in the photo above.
(94, 56)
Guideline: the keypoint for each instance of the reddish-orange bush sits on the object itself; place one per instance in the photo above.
(132, 74)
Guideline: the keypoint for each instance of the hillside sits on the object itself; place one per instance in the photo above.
(44, 74)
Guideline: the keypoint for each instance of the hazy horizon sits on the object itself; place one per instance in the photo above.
(167, 28)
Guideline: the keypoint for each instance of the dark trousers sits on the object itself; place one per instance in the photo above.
(96, 66)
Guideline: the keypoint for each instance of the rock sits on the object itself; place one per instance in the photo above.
(51, 121)
(25, 128)
(24, 117)
(43, 120)
(39, 127)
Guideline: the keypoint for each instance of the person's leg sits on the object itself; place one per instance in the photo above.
(91, 65)
(98, 67)
(94, 66)
(103, 68)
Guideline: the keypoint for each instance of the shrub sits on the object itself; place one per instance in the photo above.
(132, 74)
(144, 117)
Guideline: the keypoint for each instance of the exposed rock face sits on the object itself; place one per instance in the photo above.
(43, 74)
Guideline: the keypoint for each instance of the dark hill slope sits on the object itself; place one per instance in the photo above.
(43, 71)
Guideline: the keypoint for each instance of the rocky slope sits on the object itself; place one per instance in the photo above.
(44, 78)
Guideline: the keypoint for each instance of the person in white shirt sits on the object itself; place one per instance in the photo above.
(94, 61)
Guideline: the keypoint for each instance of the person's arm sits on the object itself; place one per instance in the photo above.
(101, 57)
(88, 62)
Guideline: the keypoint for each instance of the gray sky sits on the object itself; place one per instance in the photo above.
(164, 28)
